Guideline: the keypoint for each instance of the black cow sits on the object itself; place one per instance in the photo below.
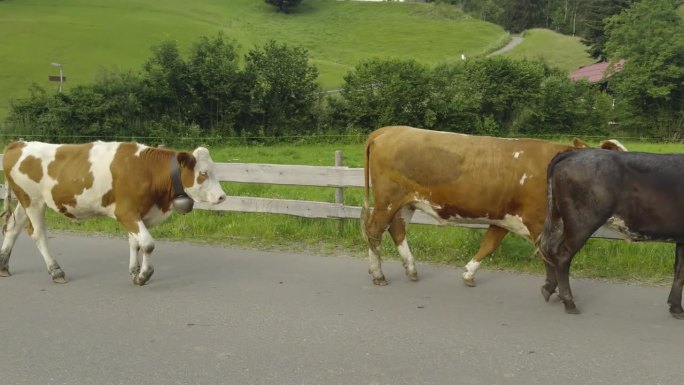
(639, 195)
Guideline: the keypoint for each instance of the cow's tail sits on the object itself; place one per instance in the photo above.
(365, 210)
(550, 238)
(7, 208)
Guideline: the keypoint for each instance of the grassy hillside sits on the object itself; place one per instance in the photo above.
(565, 52)
(88, 35)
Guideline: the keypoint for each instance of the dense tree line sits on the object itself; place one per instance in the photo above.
(205, 94)
(271, 92)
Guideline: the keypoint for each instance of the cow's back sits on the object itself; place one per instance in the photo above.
(73, 179)
(639, 194)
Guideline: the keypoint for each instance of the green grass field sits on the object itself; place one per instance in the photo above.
(610, 259)
(86, 36)
(561, 51)
(89, 36)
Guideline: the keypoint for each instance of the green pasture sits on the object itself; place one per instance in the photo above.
(610, 259)
(86, 36)
(557, 50)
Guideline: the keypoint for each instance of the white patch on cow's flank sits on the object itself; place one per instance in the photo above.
(517, 154)
(46, 153)
(512, 223)
(89, 202)
(428, 208)
(155, 216)
(522, 179)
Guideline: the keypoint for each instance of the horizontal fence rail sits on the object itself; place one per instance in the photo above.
(338, 177)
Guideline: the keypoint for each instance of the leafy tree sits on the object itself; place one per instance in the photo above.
(215, 82)
(283, 89)
(283, 5)
(504, 86)
(598, 12)
(455, 99)
(565, 106)
(385, 92)
(650, 88)
(166, 90)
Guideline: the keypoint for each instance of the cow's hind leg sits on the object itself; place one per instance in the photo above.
(491, 241)
(575, 237)
(374, 227)
(675, 298)
(12, 231)
(36, 214)
(551, 281)
(397, 230)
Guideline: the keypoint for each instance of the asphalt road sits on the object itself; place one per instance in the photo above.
(216, 315)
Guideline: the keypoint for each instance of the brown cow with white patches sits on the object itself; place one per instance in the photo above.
(132, 183)
(455, 178)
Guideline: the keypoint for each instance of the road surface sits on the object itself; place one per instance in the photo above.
(221, 315)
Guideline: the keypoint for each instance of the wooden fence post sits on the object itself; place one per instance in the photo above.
(339, 191)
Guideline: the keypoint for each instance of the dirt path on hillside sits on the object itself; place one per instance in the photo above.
(515, 40)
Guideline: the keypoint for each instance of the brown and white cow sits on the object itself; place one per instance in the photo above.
(132, 183)
(454, 178)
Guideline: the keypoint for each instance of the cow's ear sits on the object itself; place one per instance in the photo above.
(579, 143)
(613, 145)
(185, 159)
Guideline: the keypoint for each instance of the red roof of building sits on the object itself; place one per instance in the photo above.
(594, 73)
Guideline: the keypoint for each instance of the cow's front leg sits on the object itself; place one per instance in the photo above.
(146, 247)
(143, 241)
(675, 298)
(134, 261)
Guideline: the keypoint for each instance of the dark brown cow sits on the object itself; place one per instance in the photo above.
(135, 184)
(639, 195)
(455, 178)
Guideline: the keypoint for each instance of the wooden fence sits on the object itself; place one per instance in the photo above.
(338, 177)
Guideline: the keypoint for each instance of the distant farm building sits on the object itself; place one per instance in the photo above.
(597, 73)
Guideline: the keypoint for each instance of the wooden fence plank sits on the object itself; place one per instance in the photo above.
(324, 176)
